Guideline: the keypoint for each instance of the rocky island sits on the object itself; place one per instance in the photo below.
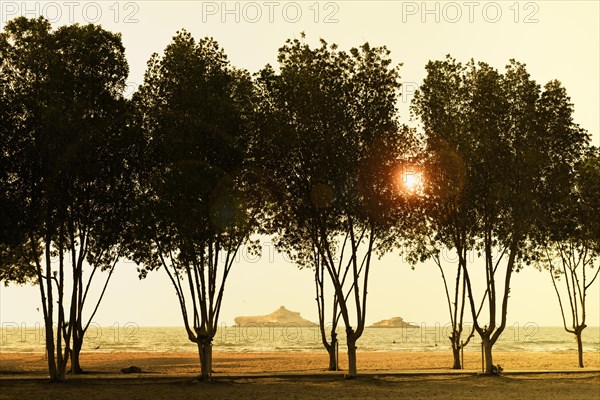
(395, 322)
(279, 317)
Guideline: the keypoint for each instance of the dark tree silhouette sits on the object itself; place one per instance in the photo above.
(504, 140)
(330, 140)
(569, 242)
(195, 206)
(67, 166)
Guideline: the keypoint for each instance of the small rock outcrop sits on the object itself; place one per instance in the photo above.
(395, 322)
(279, 317)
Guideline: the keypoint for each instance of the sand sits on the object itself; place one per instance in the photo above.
(255, 375)
(309, 362)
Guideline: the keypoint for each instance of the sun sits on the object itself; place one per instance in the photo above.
(410, 181)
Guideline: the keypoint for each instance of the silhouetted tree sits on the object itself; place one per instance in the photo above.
(448, 221)
(67, 166)
(195, 208)
(330, 140)
(501, 143)
(570, 241)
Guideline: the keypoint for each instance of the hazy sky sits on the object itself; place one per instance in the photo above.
(556, 39)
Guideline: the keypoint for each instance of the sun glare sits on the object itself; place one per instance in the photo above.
(411, 181)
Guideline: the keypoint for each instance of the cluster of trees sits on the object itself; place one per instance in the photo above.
(66, 168)
(205, 156)
(507, 167)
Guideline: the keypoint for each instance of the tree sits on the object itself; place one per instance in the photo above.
(329, 137)
(448, 221)
(195, 206)
(500, 138)
(68, 165)
(570, 244)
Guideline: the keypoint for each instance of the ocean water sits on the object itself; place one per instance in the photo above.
(252, 338)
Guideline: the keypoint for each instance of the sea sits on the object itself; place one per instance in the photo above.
(129, 337)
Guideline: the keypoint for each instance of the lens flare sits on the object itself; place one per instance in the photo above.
(410, 181)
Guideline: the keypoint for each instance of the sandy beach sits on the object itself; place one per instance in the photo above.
(304, 362)
(255, 376)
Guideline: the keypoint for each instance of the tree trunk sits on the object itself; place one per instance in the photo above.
(487, 351)
(76, 350)
(456, 355)
(62, 371)
(332, 350)
(205, 353)
(62, 360)
(579, 347)
(52, 370)
(48, 305)
(352, 371)
(330, 347)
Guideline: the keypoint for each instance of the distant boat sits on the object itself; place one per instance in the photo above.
(394, 322)
(279, 317)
